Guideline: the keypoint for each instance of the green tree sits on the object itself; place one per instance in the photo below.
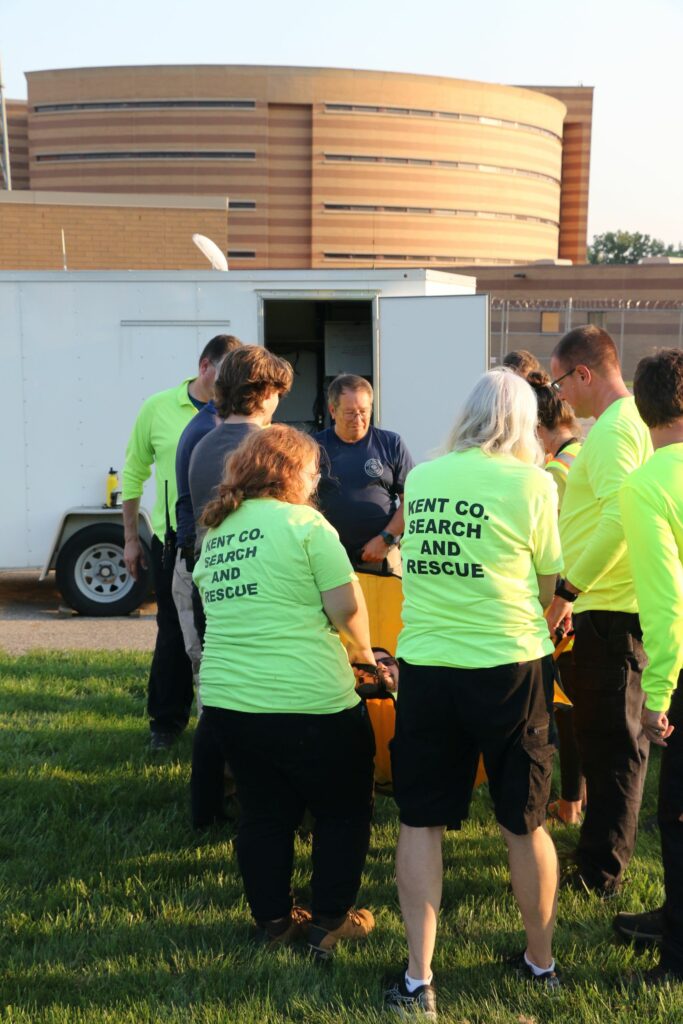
(628, 247)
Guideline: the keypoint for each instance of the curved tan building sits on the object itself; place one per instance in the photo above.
(328, 168)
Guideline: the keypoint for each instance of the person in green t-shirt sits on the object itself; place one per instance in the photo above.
(481, 553)
(652, 509)
(598, 589)
(559, 433)
(278, 689)
(153, 442)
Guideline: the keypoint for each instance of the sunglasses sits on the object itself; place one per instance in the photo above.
(555, 384)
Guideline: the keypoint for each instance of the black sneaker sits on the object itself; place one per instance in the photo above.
(162, 740)
(549, 979)
(642, 929)
(422, 1001)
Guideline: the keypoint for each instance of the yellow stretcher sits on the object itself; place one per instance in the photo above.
(384, 598)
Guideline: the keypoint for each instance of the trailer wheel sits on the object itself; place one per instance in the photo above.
(92, 576)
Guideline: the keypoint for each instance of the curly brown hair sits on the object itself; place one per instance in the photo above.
(268, 464)
(247, 376)
(658, 387)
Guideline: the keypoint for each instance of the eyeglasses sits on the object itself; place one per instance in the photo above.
(555, 384)
(356, 414)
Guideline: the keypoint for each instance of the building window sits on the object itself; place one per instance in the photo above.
(460, 165)
(429, 210)
(60, 108)
(550, 322)
(149, 154)
(241, 254)
(450, 115)
(241, 204)
(597, 317)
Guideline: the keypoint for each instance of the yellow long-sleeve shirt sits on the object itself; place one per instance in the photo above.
(153, 441)
(595, 558)
(651, 502)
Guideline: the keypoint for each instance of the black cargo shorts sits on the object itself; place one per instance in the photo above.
(446, 717)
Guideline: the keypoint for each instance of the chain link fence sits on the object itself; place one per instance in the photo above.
(638, 327)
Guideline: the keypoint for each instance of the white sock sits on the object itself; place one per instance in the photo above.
(538, 971)
(413, 983)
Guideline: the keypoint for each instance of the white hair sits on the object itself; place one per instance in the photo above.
(499, 416)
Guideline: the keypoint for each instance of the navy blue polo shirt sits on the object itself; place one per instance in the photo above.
(198, 427)
(360, 483)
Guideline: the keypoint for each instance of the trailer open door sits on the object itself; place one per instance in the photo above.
(429, 351)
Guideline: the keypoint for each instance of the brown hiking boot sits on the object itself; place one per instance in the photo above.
(286, 931)
(325, 934)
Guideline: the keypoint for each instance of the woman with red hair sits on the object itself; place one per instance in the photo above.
(278, 689)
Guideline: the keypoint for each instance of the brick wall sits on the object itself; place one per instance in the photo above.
(104, 237)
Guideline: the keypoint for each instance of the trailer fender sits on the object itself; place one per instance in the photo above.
(75, 519)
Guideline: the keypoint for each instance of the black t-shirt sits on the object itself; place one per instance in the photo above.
(360, 483)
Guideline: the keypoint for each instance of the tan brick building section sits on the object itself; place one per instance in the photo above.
(107, 232)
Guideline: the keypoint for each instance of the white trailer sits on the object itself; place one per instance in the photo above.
(80, 351)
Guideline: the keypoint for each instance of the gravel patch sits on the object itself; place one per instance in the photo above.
(32, 617)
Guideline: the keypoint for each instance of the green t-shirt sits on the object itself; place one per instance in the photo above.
(651, 501)
(595, 558)
(154, 440)
(479, 528)
(269, 647)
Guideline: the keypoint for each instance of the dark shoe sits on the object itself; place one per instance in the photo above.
(162, 740)
(643, 929)
(398, 999)
(323, 935)
(549, 979)
(576, 881)
(656, 977)
(285, 932)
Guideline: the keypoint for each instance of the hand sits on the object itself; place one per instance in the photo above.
(559, 615)
(656, 727)
(375, 550)
(133, 557)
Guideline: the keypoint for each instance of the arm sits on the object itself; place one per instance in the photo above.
(607, 467)
(132, 551)
(136, 469)
(345, 608)
(546, 588)
(658, 578)
(375, 550)
(184, 513)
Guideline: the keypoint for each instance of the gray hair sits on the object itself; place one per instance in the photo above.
(499, 416)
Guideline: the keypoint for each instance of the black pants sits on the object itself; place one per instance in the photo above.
(208, 779)
(284, 764)
(608, 701)
(671, 829)
(571, 776)
(169, 690)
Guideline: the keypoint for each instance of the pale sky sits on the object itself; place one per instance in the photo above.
(631, 52)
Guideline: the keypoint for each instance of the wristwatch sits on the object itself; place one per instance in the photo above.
(388, 538)
(566, 595)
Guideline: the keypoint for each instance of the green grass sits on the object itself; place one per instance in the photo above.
(113, 910)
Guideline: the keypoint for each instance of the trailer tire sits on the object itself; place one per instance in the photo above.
(91, 574)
